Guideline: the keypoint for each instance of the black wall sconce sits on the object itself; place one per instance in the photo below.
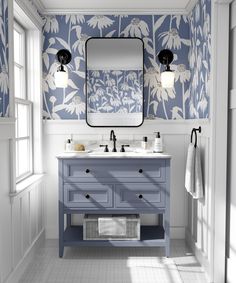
(168, 76)
(61, 75)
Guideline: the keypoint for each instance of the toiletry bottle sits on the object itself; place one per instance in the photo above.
(144, 143)
(68, 145)
(158, 147)
(72, 145)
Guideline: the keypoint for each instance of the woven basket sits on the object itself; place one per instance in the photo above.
(91, 231)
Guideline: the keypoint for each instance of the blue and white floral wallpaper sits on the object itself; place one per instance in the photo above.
(157, 32)
(115, 91)
(200, 60)
(186, 36)
(4, 90)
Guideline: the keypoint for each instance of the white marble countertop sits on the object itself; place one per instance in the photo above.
(119, 155)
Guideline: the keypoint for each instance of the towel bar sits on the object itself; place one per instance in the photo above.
(195, 130)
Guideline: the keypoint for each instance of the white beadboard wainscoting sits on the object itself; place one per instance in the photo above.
(199, 219)
(21, 214)
(231, 207)
(189, 219)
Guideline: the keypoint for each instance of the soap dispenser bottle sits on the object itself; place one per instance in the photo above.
(144, 143)
(158, 146)
(68, 145)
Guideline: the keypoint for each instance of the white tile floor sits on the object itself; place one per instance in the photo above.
(113, 265)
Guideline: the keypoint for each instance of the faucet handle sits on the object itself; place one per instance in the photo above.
(106, 147)
(123, 147)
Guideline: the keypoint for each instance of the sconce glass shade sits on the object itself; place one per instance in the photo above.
(165, 57)
(61, 79)
(61, 76)
(167, 79)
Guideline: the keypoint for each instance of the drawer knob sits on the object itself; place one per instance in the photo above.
(87, 196)
(87, 170)
(140, 170)
(140, 196)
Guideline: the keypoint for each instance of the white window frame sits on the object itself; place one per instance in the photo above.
(19, 28)
(32, 22)
(24, 101)
(29, 137)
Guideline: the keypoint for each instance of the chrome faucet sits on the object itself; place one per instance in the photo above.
(113, 138)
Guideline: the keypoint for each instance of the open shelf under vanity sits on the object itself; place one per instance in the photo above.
(151, 236)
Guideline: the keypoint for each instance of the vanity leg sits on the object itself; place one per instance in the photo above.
(61, 229)
(166, 226)
(166, 215)
(61, 250)
(68, 220)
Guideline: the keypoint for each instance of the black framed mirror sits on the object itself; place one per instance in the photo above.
(114, 82)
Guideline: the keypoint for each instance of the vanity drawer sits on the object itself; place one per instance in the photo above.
(78, 195)
(115, 169)
(146, 195)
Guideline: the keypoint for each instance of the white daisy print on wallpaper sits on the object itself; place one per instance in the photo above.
(187, 36)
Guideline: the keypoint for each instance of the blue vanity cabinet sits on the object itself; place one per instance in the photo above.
(136, 185)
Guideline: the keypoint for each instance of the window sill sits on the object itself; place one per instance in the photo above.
(26, 183)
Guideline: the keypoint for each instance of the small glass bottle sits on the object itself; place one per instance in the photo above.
(144, 143)
(158, 145)
(68, 145)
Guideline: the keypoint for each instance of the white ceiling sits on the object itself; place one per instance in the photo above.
(114, 5)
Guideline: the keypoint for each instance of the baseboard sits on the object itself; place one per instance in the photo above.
(231, 271)
(51, 232)
(26, 259)
(177, 233)
(200, 256)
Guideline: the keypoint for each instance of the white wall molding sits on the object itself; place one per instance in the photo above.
(218, 145)
(203, 259)
(233, 17)
(177, 232)
(22, 219)
(185, 11)
(114, 11)
(232, 99)
(27, 7)
(231, 194)
(5, 120)
(7, 130)
(231, 263)
(25, 186)
(27, 259)
(180, 127)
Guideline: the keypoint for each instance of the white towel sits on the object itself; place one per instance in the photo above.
(193, 174)
(112, 226)
(198, 184)
(189, 173)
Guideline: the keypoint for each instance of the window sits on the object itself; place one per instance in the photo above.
(20, 61)
(23, 107)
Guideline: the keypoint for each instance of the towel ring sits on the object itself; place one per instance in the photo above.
(195, 130)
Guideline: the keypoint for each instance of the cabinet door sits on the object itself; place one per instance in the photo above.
(79, 195)
(146, 195)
